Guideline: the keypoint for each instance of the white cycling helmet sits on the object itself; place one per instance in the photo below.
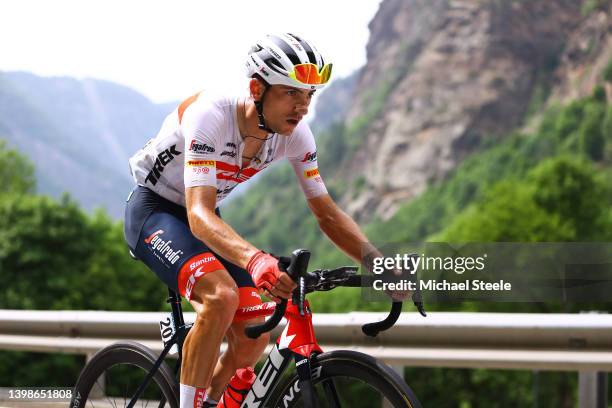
(287, 59)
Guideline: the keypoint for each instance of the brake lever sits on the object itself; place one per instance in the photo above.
(418, 302)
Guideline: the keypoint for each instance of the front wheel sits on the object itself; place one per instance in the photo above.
(348, 379)
(112, 376)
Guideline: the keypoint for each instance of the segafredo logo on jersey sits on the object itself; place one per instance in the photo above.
(163, 248)
(310, 157)
(200, 147)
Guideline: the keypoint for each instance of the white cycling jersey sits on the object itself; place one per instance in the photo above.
(199, 144)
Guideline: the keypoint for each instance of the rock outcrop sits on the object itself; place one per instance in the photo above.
(444, 76)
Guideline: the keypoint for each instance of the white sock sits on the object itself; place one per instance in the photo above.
(191, 397)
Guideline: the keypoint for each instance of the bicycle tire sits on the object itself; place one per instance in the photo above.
(124, 353)
(352, 365)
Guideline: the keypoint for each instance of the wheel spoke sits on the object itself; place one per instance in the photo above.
(331, 393)
(116, 373)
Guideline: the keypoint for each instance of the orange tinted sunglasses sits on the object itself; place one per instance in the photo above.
(310, 75)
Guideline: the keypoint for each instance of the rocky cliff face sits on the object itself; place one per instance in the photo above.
(445, 76)
(587, 53)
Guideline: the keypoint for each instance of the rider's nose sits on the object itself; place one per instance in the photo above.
(301, 109)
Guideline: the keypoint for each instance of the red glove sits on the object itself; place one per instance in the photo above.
(264, 270)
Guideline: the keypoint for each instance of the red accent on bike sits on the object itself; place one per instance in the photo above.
(304, 342)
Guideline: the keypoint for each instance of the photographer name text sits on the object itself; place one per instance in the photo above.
(442, 285)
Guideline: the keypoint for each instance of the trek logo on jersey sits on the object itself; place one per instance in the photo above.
(200, 147)
(311, 173)
(192, 280)
(161, 248)
(162, 161)
(261, 306)
(310, 157)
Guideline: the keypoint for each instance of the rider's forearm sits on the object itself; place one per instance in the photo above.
(344, 233)
(220, 237)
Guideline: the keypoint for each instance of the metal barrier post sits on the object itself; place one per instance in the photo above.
(592, 389)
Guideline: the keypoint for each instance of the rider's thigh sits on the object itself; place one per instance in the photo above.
(215, 293)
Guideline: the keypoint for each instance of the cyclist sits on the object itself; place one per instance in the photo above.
(205, 148)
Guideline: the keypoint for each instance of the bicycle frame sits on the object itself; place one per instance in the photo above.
(181, 330)
(296, 342)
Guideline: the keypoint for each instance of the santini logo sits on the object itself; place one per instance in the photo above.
(163, 248)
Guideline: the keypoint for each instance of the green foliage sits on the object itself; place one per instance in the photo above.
(491, 388)
(16, 172)
(607, 134)
(506, 213)
(590, 131)
(589, 6)
(574, 191)
(52, 256)
(607, 73)
(562, 199)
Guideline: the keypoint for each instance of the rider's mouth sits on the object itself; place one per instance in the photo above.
(293, 121)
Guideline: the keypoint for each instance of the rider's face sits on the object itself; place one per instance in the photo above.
(285, 106)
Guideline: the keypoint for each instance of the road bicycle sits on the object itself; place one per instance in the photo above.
(128, 374)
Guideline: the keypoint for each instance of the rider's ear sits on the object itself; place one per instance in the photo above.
(257, 88)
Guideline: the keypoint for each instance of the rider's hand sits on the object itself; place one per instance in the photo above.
(397, 295)
(267, 276)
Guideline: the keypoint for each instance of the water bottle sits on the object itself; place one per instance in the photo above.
(237, 388)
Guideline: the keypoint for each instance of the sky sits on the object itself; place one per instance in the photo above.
(169, 50)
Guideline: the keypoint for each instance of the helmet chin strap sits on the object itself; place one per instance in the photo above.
(259, 106)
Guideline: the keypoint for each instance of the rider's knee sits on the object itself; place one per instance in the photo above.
(224, 299)
(220, 300)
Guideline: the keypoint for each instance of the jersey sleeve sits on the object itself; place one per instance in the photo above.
(201, 126)
(302, 154)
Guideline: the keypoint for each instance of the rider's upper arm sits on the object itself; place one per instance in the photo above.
(200, 201)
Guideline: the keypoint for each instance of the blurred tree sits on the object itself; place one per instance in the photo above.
(16, 172)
